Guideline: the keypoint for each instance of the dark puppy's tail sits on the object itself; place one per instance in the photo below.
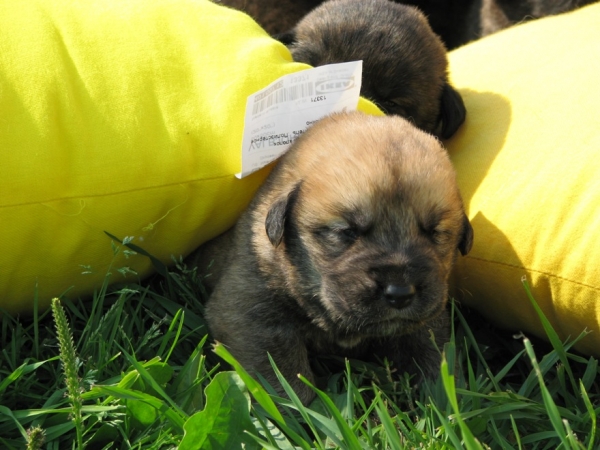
(452, 112)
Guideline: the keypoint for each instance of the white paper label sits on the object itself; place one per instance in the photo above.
(279, 113)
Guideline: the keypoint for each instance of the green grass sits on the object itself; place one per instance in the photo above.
(134, 368)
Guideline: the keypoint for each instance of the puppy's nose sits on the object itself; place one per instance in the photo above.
(399, 296)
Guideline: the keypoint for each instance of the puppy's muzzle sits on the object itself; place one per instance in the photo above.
(399, 296)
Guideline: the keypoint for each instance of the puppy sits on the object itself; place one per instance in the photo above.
(345, 250)
(404, 61)
(495, 15)
(275, 16)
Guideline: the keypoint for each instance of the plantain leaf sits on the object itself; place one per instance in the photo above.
(224, 420)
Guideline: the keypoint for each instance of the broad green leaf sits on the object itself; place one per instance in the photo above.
(160, 372)
(172, 415)
(260, 395)
(257, 391)
(225, 419)
(141, 412)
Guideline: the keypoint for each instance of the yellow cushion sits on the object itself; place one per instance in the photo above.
(528, 159)
(121, 116)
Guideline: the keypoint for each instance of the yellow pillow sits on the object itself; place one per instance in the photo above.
(528, 160)
(121, 116)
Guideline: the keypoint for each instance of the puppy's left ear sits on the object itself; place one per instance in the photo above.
(288, 38)
(466, 237)
(452, 111)
(277, 215)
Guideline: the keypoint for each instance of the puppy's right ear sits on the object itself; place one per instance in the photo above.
(452, 113)
(466, 239)
(288, 38)
(277, 214)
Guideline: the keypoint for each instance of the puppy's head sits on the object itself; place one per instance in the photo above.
(362, 219)
(404, 62)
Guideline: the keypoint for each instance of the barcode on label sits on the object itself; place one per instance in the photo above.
(284, 94)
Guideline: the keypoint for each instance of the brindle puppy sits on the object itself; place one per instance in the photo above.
(346, 249)
(404, 61)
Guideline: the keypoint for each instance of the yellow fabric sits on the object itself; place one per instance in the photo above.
(528, 159)
(121, 116)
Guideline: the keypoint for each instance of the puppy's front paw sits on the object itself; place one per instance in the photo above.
(418, 353)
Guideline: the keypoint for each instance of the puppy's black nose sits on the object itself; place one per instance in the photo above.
(399, 296)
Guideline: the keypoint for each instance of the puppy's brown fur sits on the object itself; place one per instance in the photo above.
(346, 249)
(404, 61)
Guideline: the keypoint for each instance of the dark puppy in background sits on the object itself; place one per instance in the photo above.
(455, 21)
(495, 15)
(404, 61)
(275, 16)
(346, 249)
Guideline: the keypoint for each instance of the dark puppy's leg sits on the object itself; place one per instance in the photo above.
(415, 353)
(251, 331)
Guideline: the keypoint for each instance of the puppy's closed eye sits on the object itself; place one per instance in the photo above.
(393, 106)
(338, 233)
(435, 232)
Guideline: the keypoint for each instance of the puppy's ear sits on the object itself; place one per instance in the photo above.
(277, 214)
(466, 238)
(452, 111)
(288, 38)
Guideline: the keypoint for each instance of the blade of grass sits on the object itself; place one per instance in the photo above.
(574, 443)
(152, 382)
(348, 435)
(296, 401)
(516, 432)
(7, 412)
(178, 319)
(551, 333)
(499, 439)
(254, 387)
(551, 407)
(446, 427)
(592, 413)
(469, 440)
(475, 347)
(23, 369)
(590, 373)
(391, 432)
(158, 265)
